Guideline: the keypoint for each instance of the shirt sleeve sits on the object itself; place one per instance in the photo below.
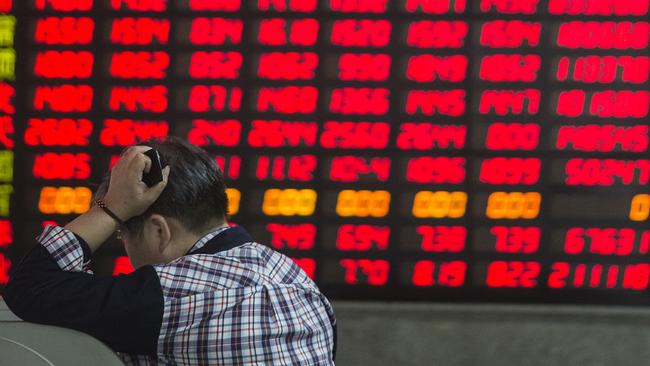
(51, 286)
(70, 252)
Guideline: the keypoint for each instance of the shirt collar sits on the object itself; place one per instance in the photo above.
(221, 239)
(206, 238)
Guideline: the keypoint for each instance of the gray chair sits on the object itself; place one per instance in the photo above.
(29, 344)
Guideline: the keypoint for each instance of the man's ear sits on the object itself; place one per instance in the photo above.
(160, 232)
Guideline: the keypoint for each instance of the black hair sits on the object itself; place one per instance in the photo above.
(195, 193)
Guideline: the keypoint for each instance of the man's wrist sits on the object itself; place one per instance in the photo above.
(95, 227)
(105, 218)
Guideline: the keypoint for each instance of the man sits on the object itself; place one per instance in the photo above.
(202, 293)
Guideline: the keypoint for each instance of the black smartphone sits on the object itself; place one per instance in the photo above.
(155, 173)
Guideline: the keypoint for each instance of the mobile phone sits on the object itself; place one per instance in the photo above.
(155, 173)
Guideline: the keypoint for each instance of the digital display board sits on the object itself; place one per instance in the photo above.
(432, 150)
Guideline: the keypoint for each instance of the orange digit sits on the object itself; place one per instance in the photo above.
(234, 196)
(640, 207)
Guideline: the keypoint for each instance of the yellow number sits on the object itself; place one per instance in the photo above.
(6, 165)
(7, 63)
(289, 202)
(7, 30)
(439, 204)
(5, 197)
(363, 203)
(513, 205)
(234, 196)
(64, 200)
(640, 207)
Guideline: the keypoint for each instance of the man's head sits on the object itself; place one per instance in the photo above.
(193, 202)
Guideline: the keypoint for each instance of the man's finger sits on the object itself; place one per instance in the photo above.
(147, 164)
(157, 189)
(139, 164)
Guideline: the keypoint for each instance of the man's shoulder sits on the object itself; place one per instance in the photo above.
(247, 265)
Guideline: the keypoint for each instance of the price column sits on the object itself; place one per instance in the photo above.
(354, 139)
(282, 130)
(432, 140)
(600, 240)
(62, 95)
(507, 125)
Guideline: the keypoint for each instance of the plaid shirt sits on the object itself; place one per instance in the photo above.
(229, 301)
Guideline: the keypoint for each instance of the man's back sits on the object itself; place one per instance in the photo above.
(245, 305)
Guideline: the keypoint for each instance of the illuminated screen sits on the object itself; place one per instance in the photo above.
(432, 150)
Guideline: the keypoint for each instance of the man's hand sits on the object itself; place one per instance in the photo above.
(127, 194)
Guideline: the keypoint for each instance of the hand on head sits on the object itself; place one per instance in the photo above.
(127, 194)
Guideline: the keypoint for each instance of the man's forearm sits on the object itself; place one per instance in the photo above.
(49, 286)
(94, 226)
